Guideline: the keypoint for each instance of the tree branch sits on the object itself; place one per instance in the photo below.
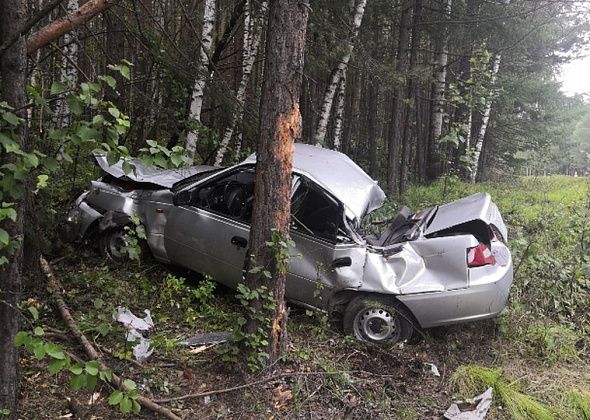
(54, 288)
(33, 20)
(57, 28)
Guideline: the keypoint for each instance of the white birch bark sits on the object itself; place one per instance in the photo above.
(202, 77)
(337, 74)
(68, 71)
(339, 112)
(252, 36)
(440, 80)
(479, 139)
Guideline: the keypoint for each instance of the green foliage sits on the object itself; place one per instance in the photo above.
(471, 380)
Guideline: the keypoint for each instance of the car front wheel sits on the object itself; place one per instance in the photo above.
(378, 319)
(112, 245)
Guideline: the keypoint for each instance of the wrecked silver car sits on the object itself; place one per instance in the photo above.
(444, 265)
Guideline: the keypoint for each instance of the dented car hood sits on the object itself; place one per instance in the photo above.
(474, 207)
(339, 175)
(149, 174)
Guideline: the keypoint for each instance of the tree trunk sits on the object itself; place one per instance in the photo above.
(399, 105)
(68, 70)
(480, 137)
(252, 35)
(202, 77)
(12, 90)
(280, 125)
(371, 125)
(337, 74)
(57, 28)
(409, 125)
(438, 96)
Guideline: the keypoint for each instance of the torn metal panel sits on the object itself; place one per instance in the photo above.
(149, 174)
(475, 207)
(207, 338)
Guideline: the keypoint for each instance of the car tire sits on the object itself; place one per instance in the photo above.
(378, 319)
(110, 245)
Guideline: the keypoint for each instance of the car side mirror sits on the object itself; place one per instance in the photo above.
(181, 198)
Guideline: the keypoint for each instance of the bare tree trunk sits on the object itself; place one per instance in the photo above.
(202, 77)
(479, 139)
(338, 73)
(280, 125)
(438, 96)
(371, 125)
(57, 28)
(409, 125)
(12, 90)
(399, 106)
(252, 35)
(68, 69)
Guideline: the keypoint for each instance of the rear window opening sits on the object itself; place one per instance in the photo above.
(477, 228)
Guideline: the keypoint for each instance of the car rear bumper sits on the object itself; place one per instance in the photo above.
(485, 298)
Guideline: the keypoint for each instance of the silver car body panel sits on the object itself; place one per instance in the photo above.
(426, 270)
(150, 174)
(339, 175)
(474, 207)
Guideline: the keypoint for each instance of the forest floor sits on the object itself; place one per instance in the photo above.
(535, 356)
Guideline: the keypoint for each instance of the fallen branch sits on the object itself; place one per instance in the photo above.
(55, 290)
(248, 385)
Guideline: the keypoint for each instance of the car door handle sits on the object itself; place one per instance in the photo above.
(342, 262)
(239, 241)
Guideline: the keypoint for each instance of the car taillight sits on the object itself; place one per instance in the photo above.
(479, 256)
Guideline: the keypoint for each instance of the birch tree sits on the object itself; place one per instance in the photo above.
(252, 35)
(202, 77)
(438, 93)
(481, 134)
(68, 69)
(338, 76)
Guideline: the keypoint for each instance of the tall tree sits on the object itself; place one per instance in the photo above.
(338, 75)
(252, 35)
(280, 125)
(196, 105)
(12, 91)
(396, 137)
(439, 84)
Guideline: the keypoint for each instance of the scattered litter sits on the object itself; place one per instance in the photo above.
(483, 401)
(433, 368)
(135, 326)
(208, 338)
(207, 399)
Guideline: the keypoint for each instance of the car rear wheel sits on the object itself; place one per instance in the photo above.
(377, 319)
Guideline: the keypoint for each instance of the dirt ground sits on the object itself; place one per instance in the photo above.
(324, 375)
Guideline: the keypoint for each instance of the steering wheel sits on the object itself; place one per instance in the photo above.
(233, 199)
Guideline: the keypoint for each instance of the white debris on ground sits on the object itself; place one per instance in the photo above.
(483, 401)
(135, 329)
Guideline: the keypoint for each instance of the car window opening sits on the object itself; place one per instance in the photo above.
(315, 213)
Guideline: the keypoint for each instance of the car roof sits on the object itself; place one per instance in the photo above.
(339, 175)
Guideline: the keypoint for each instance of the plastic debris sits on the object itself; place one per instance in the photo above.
(483, 401)
(208, 338)
(135, 329)
(433, 368)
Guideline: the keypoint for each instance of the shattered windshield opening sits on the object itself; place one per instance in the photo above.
(315, 213)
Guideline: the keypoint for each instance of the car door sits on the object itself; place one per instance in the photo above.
(209, 228)
(324, 258)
